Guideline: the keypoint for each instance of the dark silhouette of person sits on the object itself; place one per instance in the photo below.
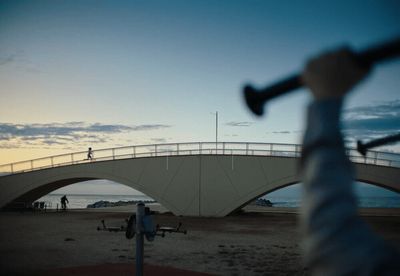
(336, 240)
(90, 154)
(64, 201)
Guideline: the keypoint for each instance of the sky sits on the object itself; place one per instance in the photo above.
(105, 74)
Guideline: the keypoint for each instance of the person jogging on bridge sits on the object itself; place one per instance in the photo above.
(90, 154)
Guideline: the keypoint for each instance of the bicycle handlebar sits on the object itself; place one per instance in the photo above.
(256, 98)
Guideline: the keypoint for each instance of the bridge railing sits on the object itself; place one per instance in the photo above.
(388, 159)
(198, 148)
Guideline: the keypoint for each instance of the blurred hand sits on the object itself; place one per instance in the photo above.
(333, 74)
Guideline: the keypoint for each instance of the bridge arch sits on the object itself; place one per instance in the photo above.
(380, 176)
(189, 184)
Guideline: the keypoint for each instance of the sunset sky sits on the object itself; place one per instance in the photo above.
(103, 74)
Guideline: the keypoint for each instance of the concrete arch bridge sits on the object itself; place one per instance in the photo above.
(190, 179)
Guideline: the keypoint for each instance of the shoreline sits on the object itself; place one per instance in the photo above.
(158, 208)
(82, 201)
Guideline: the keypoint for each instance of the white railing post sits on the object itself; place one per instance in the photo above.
(134, 151)
(155, 150)
(200, 148)
(223, 147)
(113, 154)
(247, 148)
(177, 149)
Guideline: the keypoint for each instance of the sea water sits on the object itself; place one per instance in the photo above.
(364, 202)
(81, 201)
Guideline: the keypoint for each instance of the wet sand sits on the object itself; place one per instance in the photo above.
(261, 241)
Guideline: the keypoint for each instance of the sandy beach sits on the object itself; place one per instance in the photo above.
(259, 241)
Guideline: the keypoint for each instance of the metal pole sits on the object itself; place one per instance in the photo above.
(216, 132)
(139, 239)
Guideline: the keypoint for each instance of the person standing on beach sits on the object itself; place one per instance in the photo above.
(336, 240)
(64, 201)
(90, 154)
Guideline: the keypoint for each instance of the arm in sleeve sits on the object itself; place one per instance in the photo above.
(336, 240)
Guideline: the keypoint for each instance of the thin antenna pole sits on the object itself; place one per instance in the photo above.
(216, 131)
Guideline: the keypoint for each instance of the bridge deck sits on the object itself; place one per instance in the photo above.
(197, 148)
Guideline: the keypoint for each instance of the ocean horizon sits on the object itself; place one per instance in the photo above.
(80, 201)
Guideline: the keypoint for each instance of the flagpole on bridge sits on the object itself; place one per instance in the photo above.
(216, 132)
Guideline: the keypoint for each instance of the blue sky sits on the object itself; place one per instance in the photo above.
(112, 73)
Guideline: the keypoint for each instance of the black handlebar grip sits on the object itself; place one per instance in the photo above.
(256, 98)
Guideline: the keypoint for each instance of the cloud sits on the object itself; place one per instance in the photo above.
(159, 140)
(371, 121)
(36, 135)
(149, 127)
(4, 137)
(51, 142)
(7, 59)
(383, 109)
(108, 128)
(20, 61)
(239, 124)
(69, 129)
